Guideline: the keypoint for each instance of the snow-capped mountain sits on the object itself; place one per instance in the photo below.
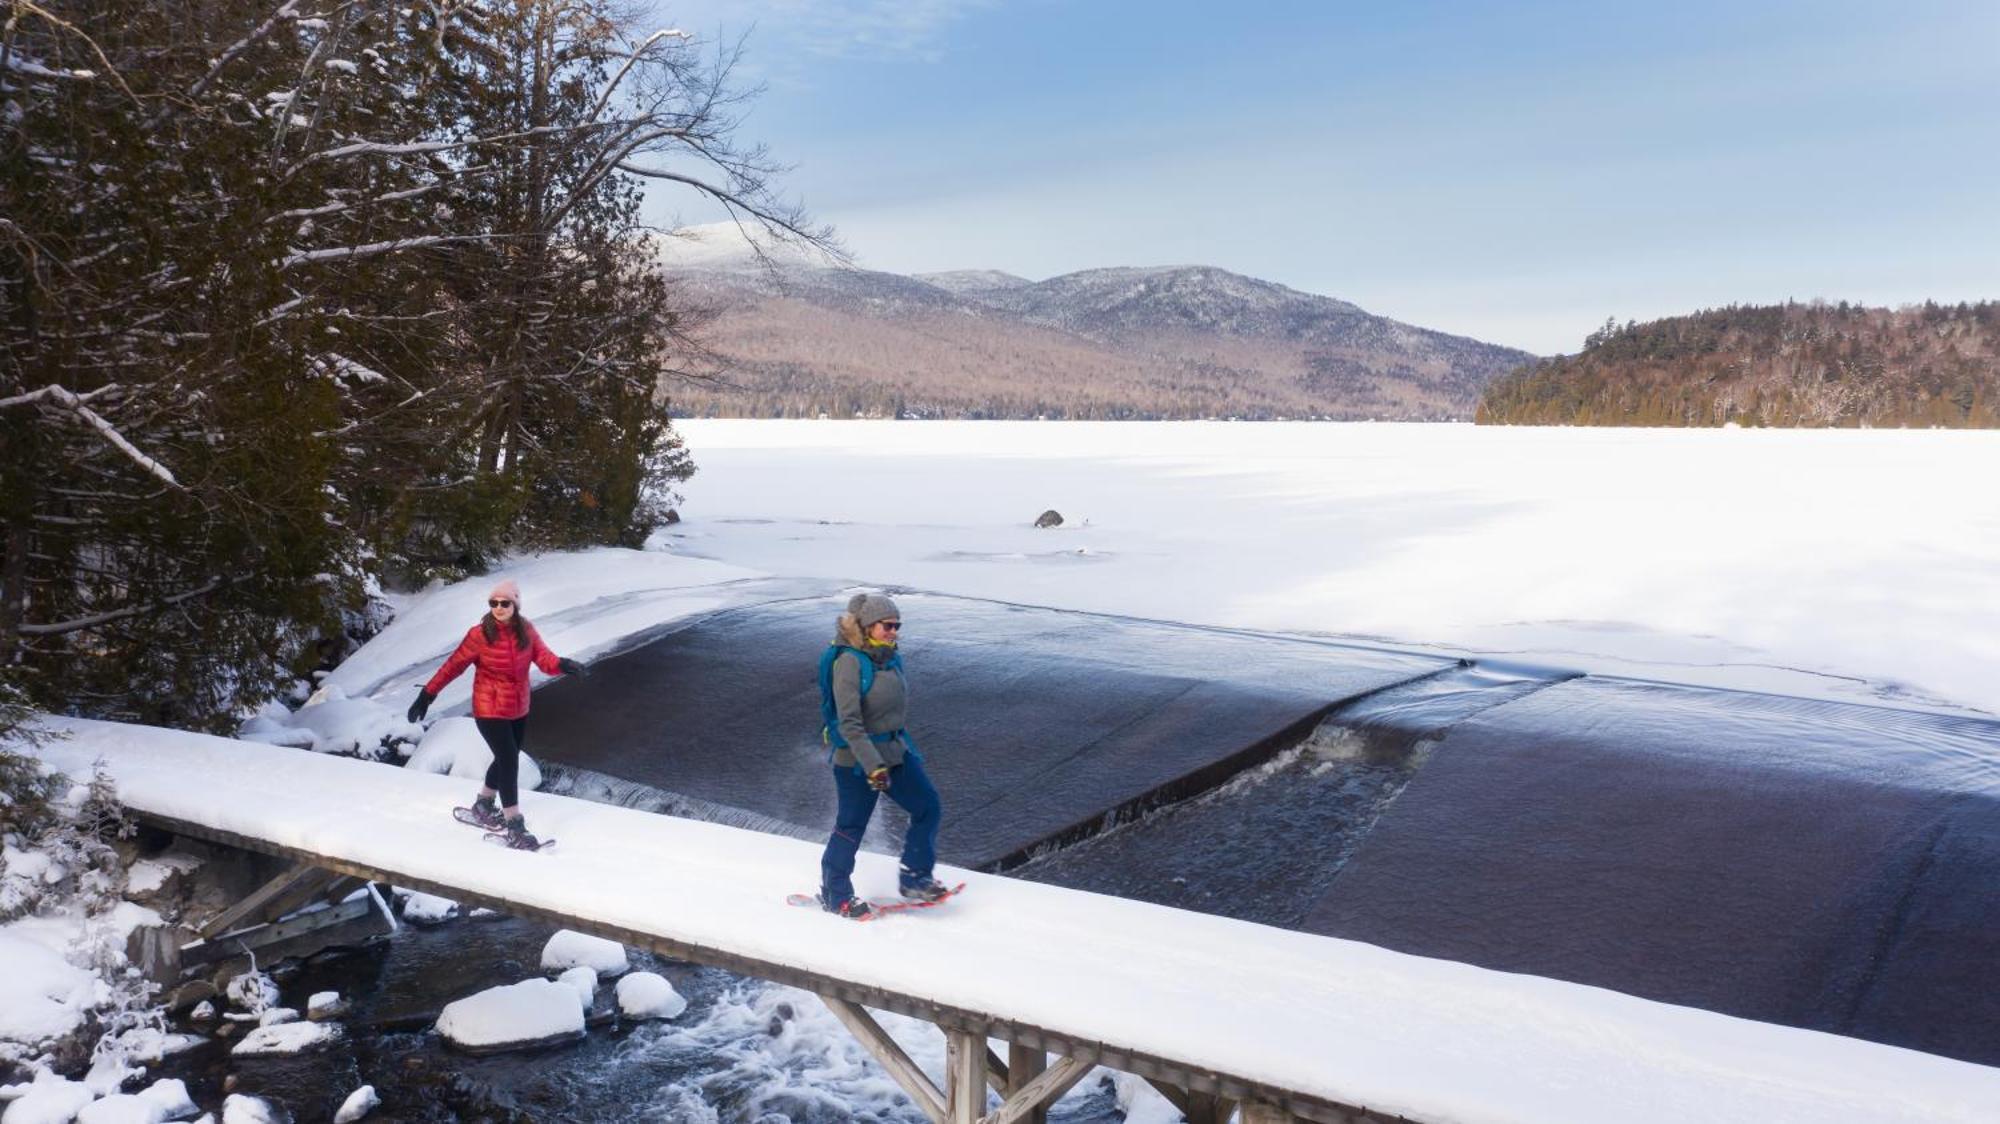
(800, 334)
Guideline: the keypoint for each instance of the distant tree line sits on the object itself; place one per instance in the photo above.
(300, 297)
(1794, 364)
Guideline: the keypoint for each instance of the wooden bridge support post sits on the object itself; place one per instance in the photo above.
(1024, 1064)
(964, 1077)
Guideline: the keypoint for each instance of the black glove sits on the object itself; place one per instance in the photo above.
(422, 706)
(571, 667)
(878, 778)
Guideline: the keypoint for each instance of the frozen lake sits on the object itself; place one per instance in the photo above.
(1854, 565)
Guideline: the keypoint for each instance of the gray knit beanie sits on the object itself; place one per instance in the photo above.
(869, 609)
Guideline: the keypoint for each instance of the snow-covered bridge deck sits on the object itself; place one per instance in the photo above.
(1319, 1028)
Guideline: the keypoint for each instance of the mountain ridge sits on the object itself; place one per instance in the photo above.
(797, 338)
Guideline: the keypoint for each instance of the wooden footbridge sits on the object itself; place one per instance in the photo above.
(1221, 1016)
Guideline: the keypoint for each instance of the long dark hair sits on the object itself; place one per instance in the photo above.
(490, 628)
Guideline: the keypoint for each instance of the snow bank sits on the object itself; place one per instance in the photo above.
(568, 949)
(529, 1013)
(121, 1108)
(287, 1038)
(452, 746)
(49, 1099)
(330, 722)
(649, 995)
(42, 996)
(583, 604)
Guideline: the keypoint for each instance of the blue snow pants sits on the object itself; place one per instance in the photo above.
(911, 788)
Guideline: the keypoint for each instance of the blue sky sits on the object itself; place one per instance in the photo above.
(1514, 172)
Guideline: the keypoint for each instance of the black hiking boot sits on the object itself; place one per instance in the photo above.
(488, 814)
(519, 837)
(854, 909)
(925, 890)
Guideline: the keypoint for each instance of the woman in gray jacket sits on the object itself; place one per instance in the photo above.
(864, 701)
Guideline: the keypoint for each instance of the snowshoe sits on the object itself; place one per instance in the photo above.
(483, 814)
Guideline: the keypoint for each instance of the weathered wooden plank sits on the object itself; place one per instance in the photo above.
(253, 909)
(279, 939)
(906, 1073)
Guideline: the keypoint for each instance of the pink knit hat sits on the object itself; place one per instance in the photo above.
(507, 591)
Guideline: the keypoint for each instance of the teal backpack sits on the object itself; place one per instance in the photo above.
(829, 712)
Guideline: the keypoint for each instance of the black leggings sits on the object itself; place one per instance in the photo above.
(504, 736)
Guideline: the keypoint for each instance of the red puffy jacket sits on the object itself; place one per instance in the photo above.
(500, 676)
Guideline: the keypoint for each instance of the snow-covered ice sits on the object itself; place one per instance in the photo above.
(567, 949)
(526, 1012)
(649, 995)
(1836, 563)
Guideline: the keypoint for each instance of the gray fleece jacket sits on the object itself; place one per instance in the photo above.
(882, 712)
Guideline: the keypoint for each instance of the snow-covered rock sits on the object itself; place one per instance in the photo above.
(568, 948)
(254, 992)
(420, 908)
(121, 1108)
(203, 1012)
(583, 978)
(171, 1094)
(241, 1109)
(516, 1016)
(358, 1104)
(286, 1038)
(649, 995)
(42, 996)
(49, 1099)
(277, 1016)
(108, 1074)
(453, 746)
(325, 1005)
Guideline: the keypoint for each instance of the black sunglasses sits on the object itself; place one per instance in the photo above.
(892, 626)
(500, 603)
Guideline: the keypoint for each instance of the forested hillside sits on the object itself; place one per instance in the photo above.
(298, 300)
(1783, 365)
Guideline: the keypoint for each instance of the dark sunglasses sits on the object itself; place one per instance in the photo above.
(892, 626)
(500, 603)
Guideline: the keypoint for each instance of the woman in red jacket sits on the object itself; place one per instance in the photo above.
(499, 649)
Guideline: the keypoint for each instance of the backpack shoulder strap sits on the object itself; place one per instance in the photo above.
(829, 711)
